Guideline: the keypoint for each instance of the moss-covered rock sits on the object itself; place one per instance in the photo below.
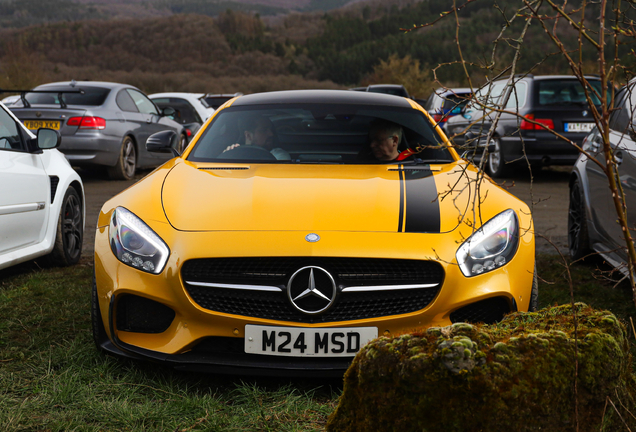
(517, 375)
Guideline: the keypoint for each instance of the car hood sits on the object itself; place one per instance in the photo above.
(216, 197)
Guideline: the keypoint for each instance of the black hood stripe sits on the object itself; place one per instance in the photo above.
(401, 215)
(419, 204)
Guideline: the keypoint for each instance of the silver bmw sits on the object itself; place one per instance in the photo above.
(101, 123)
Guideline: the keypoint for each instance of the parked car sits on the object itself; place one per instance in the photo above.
(592, 219)
(445, 103)
(393, 89)
(236, 259)
(102, 124)
(555, 102)
(10, 100)
(41, 197)
(214, 101)
(190, 110)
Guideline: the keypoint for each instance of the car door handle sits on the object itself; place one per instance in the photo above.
(596, 144)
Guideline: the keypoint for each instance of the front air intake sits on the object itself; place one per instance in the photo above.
(487, 311)
(142, 315)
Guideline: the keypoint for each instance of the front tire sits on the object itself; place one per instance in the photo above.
(496, 164)
(126, 164)
(183, 143)
(578, 236)
(70, 229)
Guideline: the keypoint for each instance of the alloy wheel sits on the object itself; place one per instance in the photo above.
(72, 226)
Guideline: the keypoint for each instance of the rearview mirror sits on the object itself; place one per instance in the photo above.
(48, 139)
(163, 142)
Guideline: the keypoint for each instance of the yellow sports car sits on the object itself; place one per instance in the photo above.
(296, 227)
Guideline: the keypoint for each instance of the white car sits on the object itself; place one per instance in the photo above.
(191, 109)
(41, 197)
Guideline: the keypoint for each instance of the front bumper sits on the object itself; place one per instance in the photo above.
(203, 340)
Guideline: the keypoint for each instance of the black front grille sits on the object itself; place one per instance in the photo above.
(486, 311)
(142, 315)
(346, 272)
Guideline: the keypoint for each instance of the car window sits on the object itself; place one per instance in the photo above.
(567, 92)
(314, 133)
(185, 112)
(488, 95)
(619, 117)
(9, 135)
(125, 102)
(85, 96)
(396, 91)
(144, 105)
(455, 101)
(518, 96)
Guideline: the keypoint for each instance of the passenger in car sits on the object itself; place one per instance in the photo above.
(259, 131)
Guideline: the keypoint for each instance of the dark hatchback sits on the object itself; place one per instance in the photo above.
(557, 103)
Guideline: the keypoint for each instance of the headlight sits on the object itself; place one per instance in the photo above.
(135, 244)
(491, 246)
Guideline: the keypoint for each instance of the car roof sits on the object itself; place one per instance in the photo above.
(448, 91)
(177, 94)
(549, 77)
(400, 86)
(322, 97)
(79, 84)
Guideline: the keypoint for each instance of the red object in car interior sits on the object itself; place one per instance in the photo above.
(87, 122)
(188, 132)
(526, 125)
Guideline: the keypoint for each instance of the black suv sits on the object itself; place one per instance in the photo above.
(557, 102)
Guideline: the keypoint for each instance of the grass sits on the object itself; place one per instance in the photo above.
(53, 379)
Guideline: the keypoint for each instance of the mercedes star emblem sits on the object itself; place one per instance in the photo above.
(311, 290)
(312, 238)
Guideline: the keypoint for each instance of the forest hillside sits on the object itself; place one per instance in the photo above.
(245, 51)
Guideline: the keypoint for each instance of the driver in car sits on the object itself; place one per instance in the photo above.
(259, 131)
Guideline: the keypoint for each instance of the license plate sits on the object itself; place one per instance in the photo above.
(38, 124)
(305, 342)
(579, 127)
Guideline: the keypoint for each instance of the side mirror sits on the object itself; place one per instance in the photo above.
(48, 139)
(168, 112)
(163, 142)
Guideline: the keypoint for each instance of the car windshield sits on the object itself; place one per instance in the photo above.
(89, 96)
(568, 92)
(314, 133)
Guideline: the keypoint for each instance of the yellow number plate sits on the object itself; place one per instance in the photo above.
(37, 124)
